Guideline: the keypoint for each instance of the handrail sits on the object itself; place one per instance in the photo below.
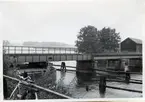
(39, 87)
(41, 47)
(30, 49)
(75, 49)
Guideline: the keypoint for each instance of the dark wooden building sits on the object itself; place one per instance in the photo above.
(131, 45)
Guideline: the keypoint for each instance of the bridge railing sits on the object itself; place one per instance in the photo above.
(38, 50)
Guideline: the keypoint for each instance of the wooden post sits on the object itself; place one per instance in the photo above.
(72, 57)
(17, 59)
(66, 56)
(8, 49)
(65, 50)
(32, 58)
(102, 86)
(42, 50)
(39, 58)
(54, 50)
(21, 49)
(48, 50)
(70, 50)
(28, 50)
(46, 59)
(60, 57)
(128, 60)
(25, 58)
(35, 50)
(106, 63)
(59, 50)
(127, 77)
(15, 50)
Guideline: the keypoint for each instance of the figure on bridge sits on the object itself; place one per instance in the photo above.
(127, 74)
(63, 66)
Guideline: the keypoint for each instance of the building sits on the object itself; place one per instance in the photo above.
(131, 45)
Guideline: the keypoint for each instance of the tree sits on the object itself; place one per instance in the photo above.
(109, 40)
(6, 43)
(87, 40)
(90, 40)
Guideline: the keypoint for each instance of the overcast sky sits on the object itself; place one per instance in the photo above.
(61, 21)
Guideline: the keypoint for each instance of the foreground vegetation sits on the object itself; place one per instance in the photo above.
(46, 80)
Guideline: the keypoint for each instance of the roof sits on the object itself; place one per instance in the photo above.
(137, 41)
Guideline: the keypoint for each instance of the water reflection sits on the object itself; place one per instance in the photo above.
(63, 73)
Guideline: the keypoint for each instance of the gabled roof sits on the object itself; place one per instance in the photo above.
(137, 41)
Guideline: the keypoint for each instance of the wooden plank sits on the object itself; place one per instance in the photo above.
(39, 87)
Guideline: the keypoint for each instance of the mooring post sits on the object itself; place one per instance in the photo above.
(87, 88)
(127, 77)
(102, 86)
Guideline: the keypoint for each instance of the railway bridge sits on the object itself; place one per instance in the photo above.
(34, 54)
(84, 61)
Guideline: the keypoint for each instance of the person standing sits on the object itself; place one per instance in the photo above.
(127, 74)
(126, 69)
(63, 66)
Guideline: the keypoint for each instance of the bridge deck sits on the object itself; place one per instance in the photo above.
(32, 54)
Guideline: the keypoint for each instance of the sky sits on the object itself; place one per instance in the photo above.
(61, 20)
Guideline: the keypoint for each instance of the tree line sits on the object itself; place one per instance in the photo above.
(92, 40)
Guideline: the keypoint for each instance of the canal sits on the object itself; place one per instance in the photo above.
(69, 80)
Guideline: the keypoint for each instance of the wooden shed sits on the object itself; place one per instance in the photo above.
(131, 45)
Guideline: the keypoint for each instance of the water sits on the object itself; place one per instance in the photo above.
(80, 92)
(69, 75)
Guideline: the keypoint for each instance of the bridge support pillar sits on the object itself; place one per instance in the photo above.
(84, 70)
